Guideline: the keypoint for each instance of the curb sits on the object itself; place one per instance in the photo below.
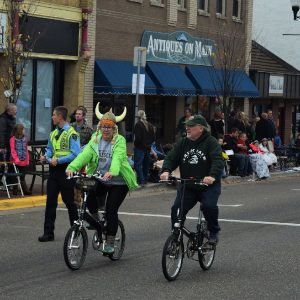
(26, 202)
(37, 201)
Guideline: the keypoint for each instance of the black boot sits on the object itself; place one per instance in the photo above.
(25, 188)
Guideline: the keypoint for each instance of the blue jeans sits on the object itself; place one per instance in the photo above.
(141, 164)
(208, 197)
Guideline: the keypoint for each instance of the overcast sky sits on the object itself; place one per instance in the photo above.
(272, 19)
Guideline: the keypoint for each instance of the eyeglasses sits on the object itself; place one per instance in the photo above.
(106, 127)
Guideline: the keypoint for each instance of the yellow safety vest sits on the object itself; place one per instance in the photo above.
(61, 143)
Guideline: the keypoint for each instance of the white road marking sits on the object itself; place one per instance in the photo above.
(295, 189)
(230, 205)
(220, 220)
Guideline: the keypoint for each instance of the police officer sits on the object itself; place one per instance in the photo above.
(63, 146)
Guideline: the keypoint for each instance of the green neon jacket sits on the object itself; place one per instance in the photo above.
(119, 165)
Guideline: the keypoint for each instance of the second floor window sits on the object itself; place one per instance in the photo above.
(203, 5)
(181, 4)
(236, 9)
(220, 7)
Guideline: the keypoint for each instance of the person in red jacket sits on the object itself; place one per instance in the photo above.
(19, 153)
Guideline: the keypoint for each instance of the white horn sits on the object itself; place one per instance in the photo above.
(97, 112)
(110, 110)
(122, 116)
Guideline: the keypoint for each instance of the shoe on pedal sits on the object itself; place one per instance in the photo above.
(108, 249)
(213, 238)
(46, 238)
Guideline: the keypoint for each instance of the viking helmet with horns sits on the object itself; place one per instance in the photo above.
(109, 119)
(109, 115)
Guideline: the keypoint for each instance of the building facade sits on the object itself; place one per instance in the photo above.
(59, 67)
(173, 80)
(279, 88)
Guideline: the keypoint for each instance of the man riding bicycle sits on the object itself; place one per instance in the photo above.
(198, 155)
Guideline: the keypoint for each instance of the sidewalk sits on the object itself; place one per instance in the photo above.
(17, 202)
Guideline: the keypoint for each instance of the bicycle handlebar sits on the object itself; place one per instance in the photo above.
(97, 175)
(184, 180)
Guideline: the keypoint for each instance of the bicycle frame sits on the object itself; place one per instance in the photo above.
(182, 230)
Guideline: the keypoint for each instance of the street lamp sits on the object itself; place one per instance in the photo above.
(295, 7)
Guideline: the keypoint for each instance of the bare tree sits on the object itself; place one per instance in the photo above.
(17, 46)
(228, 64)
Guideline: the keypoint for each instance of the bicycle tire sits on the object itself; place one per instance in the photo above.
(119, 244)
(173, 253)
(75, 254)
(206, 254)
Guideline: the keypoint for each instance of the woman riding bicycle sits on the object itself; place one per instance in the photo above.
(106, 153)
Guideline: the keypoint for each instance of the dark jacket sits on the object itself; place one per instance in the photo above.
(230, 143)
(143, 138)
(263, 129)
(85, 133)
(199, 158)
(7, 124)
(216, 128)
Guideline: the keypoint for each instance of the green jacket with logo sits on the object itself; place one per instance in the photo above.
(119, 164)
(199, 158)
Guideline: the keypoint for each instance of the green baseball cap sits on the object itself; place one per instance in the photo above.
(196, 120)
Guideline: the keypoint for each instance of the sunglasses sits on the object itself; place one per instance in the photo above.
(106, 127)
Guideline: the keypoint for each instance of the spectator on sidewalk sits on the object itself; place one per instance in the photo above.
(239, 163)
(258, 163)
(20, 154)
(272, 123)
(268, 155)
(80, 125)
(217, 125)
(264, 128)
(181, 130)
(7, 123)
(144, 136)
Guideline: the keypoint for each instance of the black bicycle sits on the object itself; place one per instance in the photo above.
(76, 240)
(197, 242)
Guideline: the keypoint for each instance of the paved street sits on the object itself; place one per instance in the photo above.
(257, 257)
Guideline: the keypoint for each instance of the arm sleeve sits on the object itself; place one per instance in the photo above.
(82, 159)
(118, 155)
(217, 162)
(13, 152)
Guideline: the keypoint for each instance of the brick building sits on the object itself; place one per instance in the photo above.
(61, 65)
(172, 81)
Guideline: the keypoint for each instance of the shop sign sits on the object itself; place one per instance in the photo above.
(178, 47)
(2, 31)
(276, 85)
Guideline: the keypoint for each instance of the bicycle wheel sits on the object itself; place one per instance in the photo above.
(172, 257)
(119, 242)
(75, 247)
(206, 253)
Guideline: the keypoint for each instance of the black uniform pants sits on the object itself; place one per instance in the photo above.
(115, 196)
(58, 183)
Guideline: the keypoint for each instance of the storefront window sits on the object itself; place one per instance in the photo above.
(44, 95)
(36, 100)
(24, 103)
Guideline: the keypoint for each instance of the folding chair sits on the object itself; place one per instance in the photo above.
(13, 172)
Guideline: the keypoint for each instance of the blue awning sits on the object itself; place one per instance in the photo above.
(115, 77)
(210, 82)
(170, 79)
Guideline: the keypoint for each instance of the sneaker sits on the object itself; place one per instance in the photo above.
(108, 249)
(213, 238)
